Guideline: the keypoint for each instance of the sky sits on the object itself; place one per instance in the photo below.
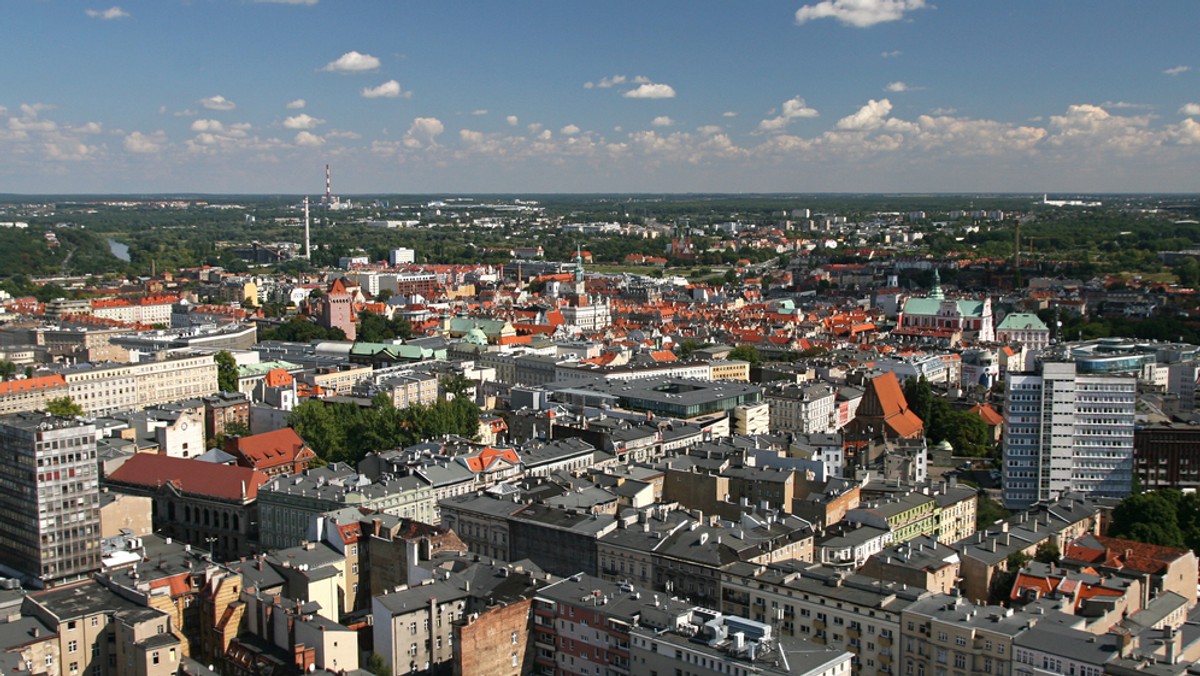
(565, 96)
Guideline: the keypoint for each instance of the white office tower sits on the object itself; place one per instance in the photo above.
(1067, 431)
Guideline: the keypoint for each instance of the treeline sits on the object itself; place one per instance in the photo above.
(342, 432)
(966, 431)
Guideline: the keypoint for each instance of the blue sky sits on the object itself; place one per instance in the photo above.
(616, 96)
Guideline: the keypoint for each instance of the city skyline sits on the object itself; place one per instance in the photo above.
(226, 96)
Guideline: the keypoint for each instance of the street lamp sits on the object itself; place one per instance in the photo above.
(210, 541)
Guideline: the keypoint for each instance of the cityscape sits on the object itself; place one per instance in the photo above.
(847, 337)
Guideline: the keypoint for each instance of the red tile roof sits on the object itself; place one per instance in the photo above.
(1117, 553)
(225, 482)
(31, 384)
(272, 449)
(989, 414)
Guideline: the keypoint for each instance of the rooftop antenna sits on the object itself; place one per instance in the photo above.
(307, 243)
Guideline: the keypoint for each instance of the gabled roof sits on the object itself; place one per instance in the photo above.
(226, 482)
(31, 384)
(272, 449)
(989, 414)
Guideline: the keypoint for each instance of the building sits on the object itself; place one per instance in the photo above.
(225, 409)
(937, 316)
(805, 409)
(1024, 329)
(272, 453)
(202, 503)
(1067, 432)
(49, 497)
(31, 394)
(336, 309)
(1167, 455)
(103, 389)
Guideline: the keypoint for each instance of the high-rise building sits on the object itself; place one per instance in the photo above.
(49, 497)
(1067, 431)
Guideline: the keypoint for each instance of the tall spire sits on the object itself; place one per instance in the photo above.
(579, 287)
(936, 291)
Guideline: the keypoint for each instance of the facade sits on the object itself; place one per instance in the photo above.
(337, 309)
(805, 409)
(937, 316)
(49, 497)
(31, 394)
(1067, 432)
(1025, 329)
(1167, 456)
(103, 390)
(224, 409)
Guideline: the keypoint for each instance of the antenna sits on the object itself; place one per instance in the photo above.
(307, 243)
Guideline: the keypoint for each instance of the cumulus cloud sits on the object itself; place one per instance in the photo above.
(302, 121)
(423, 132)
(793, 109)
(662, 121)
(296, 104)
(892, 54)
(729, 113)
(352, 62)
(896, 87)
(512, 120)
(217, 103)
(650, 90)
(871, 116)
(207, 126)
(1190, 109)
(606, 82)
(569, 130)
(1177, 70)
(387, 90)
(307, 139)
(107, 14)
(1091, 127)
(145, 144)
(858, 13)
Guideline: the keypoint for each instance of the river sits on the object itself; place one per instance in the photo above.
(119, 250)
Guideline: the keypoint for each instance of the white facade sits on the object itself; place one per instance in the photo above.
(807, 409)
(1067, 432)
(401, 256)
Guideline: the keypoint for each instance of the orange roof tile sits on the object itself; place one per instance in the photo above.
(32, 384)
(226, 482)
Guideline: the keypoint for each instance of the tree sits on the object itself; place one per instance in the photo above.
(686, 347)
(1047, 552)
(227, 371)
(378, 665)
(7, 369)
(65, 407)
(1149, 517)
(746, 353)
(988, 512)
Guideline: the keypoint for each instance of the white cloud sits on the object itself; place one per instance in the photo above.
(662, 121)
(892, 54)
(144, 144)
(207, 126)
(793, 109)
(896, 87)
(569, 130)
(107, 14)
(187, 112)
(858, 13)
(479, 111)
(423, 131)
(943, 111)
(871, 116)
(308, 139)
(1190, 109)
(651, 90)
(340, 134)
(302, 121)
(1177, 70)
(352, 62)
(217, 103)
(297, 104)
(387, 90)
(710, 129)
(729, 113)
(606, 82)
(1125, 104)
(512, 120)
(1092, 128)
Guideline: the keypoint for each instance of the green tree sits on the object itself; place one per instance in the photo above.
(746, 352)
(919, 395)
(378, 665)
(988, 512)
(64, 406)
(227, 371)
(1149, 517)
(7, 369)
(686, 347)
(374, 328)
(317, 424)
(1047, 552)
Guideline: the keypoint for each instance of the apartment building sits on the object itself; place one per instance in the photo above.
(804, 409)
(49, 497)
(103, 389)
(1067, 431)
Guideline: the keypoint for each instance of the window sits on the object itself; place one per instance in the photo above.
(514, 637)
(154, 657)
(960, 661)
(72, 646)
(960, 640)
(95, 620)
(514, 659)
